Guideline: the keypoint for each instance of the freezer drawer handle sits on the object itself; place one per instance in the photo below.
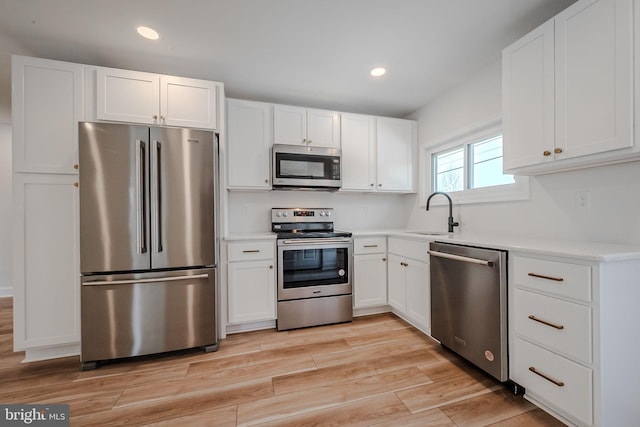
(546, 377)
(545, 322)
(540, 276)
(154, 280)
(461, 258)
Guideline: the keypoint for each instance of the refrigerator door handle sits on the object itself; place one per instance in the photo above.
(141, 208)
(155, 280)
(157, 211)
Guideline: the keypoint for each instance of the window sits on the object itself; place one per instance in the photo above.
(470, 169)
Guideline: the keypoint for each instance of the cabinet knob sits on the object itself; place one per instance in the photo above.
(266, 181)
(384, 259)
(546, 153)
(271, 267)
(155, 117)
(372, 184)
(76, 167)
(379, 185)
(75, 184)
(304, 140)
(558, 150)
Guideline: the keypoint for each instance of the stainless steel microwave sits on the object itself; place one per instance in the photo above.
(304, 167)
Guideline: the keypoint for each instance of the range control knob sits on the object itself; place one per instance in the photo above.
(321, 213)
(285, 214)
(278, 214)
(328, 213)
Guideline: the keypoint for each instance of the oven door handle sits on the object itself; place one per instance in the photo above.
(312, 240)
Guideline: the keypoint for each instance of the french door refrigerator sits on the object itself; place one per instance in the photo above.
(147, 240)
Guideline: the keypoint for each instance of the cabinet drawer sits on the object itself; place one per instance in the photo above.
(572, 395)
(369, 245)
(249, 251)
(559, 325)
(409, 248)
(558, 278)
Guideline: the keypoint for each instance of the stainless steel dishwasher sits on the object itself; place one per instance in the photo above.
(469, 304)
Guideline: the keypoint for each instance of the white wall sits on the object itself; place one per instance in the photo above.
(251, 211)
(5, 210)
(551, 211)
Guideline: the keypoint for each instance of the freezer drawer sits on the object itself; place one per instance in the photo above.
(137, 314)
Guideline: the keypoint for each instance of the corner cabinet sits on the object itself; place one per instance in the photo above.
(306, 126)
(249, 140)
(47, 103)
(568, 90)
(369, 272)
(251, 281)
(570, 323)
(379, 154)
(139, 97)
(409, 290)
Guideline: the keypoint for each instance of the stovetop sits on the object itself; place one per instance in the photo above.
(312, 234)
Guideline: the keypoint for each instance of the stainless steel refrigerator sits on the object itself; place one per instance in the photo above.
(147, 240)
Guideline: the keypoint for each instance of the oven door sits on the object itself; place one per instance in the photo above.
(310, 268)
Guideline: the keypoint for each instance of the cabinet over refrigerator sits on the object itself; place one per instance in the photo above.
(147, 240)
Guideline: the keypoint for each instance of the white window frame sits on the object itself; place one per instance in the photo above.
(499, 193)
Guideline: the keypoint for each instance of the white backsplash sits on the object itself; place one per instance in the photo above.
(250, 212)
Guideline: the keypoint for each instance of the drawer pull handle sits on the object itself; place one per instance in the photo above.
(546, 322)
(546, 377)
(251, 251)
(370, 246)
(540, 276)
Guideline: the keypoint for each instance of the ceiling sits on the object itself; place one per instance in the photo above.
(315, 53)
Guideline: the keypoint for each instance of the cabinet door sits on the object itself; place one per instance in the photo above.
(397, 288)
(323, 128)
(418, 293)
(594, 73)
(358, 152)
(528, 98)
(289, 125)
(249, 135)
(188, 102)
(46, 268)
(252, 291)
(370, 280)
(127, 96)
(47, 103)
(396, 147)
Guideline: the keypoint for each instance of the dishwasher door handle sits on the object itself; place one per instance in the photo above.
(461, 258)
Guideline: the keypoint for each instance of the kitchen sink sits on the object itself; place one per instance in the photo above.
(430, 233)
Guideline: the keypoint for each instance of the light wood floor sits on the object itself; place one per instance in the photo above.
(376, 371)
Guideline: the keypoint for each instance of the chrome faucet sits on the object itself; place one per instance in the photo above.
(451, 222)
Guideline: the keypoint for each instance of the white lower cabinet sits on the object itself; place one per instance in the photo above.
(251, 281)
(369, 272)
(409, 289)
(570, 328)
(46, 269)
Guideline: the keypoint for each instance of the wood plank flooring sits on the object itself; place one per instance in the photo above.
(375, 371)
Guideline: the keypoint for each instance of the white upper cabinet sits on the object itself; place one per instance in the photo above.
(47, 104)
(358, 152)
(378, 154)
(249, 137)
(138, 97)
(396, 145)
(305, 126)
(568, 90)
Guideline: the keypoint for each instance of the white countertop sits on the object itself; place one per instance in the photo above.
(591, 251)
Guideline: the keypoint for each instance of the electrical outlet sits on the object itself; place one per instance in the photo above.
(583, 199)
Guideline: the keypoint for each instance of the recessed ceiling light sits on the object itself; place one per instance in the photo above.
(378, 72)
(148, 33)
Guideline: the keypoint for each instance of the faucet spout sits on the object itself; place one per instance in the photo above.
(451, 223)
